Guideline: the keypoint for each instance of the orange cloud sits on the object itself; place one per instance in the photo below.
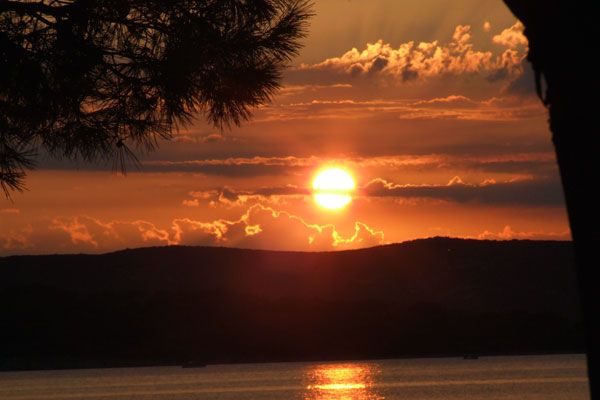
(448, 101)
(78, 230)
(284, 230)
(93, 233)
(191, 203)
(288, 90)
(512, 37)
(524, 163)
(411, 61)
(16, 239)
(507, 233)
(507, 108)
(259, 226)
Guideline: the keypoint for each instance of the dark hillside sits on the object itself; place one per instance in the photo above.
(172, 304)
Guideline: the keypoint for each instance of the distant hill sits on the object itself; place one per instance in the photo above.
(169, 305)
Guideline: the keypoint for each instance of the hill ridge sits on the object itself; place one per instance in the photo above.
(160, 305)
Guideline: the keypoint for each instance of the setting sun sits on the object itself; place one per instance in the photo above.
(332, 188)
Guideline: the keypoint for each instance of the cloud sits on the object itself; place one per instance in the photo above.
(512, 37)
(259, 226)
(524, 192)
(286, 231)
(524, 85)
(77, 229)
(16, 238)
(507, 233)
(232, 197)
(448, 101)
(185, 135)
(413, 61)
(510, 107)
(234, 166)
(91, 233)
(288, 90)
(191, 203)
(536, 163)
(539, 187)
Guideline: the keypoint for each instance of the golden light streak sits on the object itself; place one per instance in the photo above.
(341, 382)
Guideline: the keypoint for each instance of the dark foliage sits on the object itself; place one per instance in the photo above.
(94, 79)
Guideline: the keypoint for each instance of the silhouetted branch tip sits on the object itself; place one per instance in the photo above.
(91, 80)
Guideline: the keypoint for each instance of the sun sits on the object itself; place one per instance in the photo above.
(332, 188)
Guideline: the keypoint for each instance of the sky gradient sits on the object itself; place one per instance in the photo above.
(430, 105)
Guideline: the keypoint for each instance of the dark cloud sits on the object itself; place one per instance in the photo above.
(233, 197)
(378, 64)
(409, 74)
(522, 192)
(537, 164)
(498, 75)
(228, 170)
(537, 167)
(524, 84)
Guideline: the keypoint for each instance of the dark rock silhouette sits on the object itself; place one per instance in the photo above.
(561, 37)
(176, 305)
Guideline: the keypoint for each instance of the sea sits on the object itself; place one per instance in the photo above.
(507, 378)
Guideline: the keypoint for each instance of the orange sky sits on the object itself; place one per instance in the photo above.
(429, 104)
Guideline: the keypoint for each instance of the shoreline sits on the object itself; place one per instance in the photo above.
(133, 364)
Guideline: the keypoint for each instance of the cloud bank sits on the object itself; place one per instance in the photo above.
(260, 226)
(412, 61)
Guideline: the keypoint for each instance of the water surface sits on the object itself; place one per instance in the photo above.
(507, 378)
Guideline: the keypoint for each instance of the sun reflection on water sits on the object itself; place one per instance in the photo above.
(341, 382)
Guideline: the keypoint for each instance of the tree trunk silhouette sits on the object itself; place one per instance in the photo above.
(561, 47)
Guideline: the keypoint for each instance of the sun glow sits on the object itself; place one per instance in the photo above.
(332, 188)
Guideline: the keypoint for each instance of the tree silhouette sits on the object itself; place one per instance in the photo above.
(562, 37)
(92, 79)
